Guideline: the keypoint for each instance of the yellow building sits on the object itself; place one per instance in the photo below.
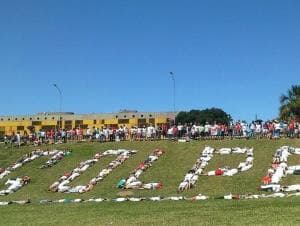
(68, 120)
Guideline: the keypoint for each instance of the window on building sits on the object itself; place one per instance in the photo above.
(68, 122)
(123, 121)
(36, 123)
(59, 124)
(95, 121)
(133, 116)
(84, 126)
(16, 119)
(68, 127)
(78, 123)
(142, 116)
(152, 121)
(102, 121)
(20, 127)
(141, 122)
(117, 116)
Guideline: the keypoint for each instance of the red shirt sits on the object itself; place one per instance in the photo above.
(142, 166)
(219, 172)
(266, 180)
(291, 126)
(158, 186)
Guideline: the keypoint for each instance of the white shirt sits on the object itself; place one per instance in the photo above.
(188, 177)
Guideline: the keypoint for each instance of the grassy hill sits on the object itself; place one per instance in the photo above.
(170, 169)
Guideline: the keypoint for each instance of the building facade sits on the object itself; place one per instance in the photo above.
(52, 120)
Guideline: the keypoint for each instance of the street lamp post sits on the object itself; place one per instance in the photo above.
(173, 79)
(60, 102)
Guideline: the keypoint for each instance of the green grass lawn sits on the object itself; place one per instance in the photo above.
(170, 169)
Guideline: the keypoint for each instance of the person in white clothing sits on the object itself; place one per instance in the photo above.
(73, 176)
(230, 172)
(270, 187)
(62, 187)
(199, 197)
(152, 185)
(4, 174)
(225, 151)
(294, 187)
(184, 185)
(133, 185)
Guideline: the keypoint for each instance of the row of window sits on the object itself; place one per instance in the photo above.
(133, 116)
(38, 118)
(79, 123)
(68, 123)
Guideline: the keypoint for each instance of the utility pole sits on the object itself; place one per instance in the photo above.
(174, 87)
(60, 103)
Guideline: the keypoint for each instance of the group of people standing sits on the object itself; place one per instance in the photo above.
(187, 131)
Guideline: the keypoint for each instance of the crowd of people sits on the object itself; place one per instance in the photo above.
(192, 176)
(20, 202)
(257, 196)
(270, 182)
(15, 184)
(280, 169)
(132, 181)
(243, 166)
(63, 184)
(55, 157)
(256, 129)
(199, 197)
(240, 129)
(197, 170)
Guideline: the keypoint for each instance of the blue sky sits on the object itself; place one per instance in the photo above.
(110, 55)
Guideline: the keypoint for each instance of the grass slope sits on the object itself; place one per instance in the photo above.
(170, 169)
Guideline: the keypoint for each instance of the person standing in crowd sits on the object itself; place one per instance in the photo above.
(88, 134)
(64, 136)
(291, 129)
(18, 139)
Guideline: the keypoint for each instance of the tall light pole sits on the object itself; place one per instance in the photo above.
(173, 79)
(60, 101)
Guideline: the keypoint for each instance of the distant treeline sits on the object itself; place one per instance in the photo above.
(210, 115)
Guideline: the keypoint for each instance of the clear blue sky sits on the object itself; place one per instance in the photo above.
(110, 55)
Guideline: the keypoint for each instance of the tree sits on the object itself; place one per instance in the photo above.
(290, 103)
(211, 115)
